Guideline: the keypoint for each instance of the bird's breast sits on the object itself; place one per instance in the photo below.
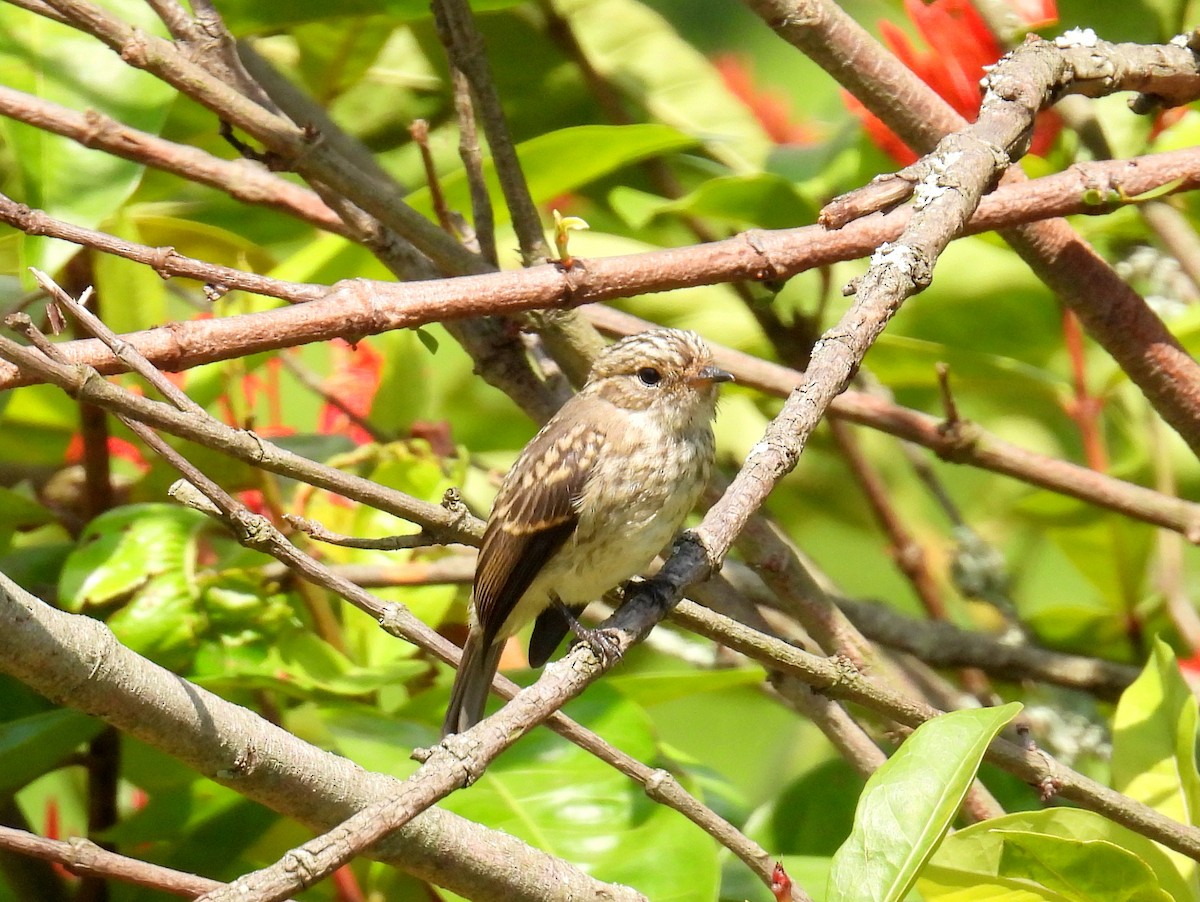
(635, 501)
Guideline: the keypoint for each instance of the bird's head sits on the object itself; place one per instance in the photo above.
(666, 371)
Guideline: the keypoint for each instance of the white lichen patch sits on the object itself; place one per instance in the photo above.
(901, 256)
(761, 447)
(928, 190)
(1076, 37)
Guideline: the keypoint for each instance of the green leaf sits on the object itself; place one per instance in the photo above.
(909, 804)
(132, 296)
(1154, 744)
(200, 827)
(636, 49)
(561, 799)
(562, 161)
(252, 16)
(334, 55)
(143, 555)
(652, 688)
(1087, 870)
(34, 745)
(300, 664)
(428, 339)
(763, 199)
(986, 859)
(161, 621)
(123, 549)
(18, 511)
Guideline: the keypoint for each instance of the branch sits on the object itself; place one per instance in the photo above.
(1109, 309)
(257, 532)
(464, 46)
(75, 661)
(837, 678)
(751, 256)
(85, 858)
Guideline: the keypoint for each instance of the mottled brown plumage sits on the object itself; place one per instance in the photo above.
(591, 500)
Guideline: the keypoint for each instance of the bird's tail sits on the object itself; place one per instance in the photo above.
(471, 684)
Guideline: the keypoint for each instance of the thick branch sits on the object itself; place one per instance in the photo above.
(751, 256)
(76, 661)
(1109, 309)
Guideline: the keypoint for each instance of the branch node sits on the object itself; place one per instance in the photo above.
(659, 784)
(961, 438)
(768, 270)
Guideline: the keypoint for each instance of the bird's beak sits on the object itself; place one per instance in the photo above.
(712, 374)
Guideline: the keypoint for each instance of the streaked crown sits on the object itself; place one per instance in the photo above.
(661, 367)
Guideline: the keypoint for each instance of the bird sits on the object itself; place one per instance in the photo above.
(590, 501)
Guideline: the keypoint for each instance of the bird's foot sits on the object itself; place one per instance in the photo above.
(605, 644)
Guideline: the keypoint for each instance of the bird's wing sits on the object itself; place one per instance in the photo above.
(535, 514)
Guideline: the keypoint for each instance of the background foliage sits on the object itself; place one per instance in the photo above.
(702, 80)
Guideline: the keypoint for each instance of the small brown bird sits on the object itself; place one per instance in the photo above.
(590, 501)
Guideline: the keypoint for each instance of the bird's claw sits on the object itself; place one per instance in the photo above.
(605, 644)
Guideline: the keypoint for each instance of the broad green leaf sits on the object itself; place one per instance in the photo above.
(903, 361)
(162, 226)
(200, 827)
(1085, 870)
(1111, 553)
(812, 814)
(17, 510)
(132, 296)
(981, 856)
(562, 161)
(125, 548)
(652, 688)
(634, 48)
(565, 802)
(909, 804)
(241, 608)
(66, 66)
(1154, 744)
(763, 199)
(335, 54)
(298, 663)
(251, 16)
(161, 621)
(34, 745)
(40, 407)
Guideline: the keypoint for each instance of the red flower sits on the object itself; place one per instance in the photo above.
(960, 47)
(255, 502)
(354, 381)
(1035, 13)
(770, 108)
(117, 447)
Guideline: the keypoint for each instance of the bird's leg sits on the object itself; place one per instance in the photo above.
(604, 643)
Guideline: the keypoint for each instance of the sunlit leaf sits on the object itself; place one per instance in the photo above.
(65, 66)
(979, 858)
(910, 802)
(1154, 744)
(562, 161)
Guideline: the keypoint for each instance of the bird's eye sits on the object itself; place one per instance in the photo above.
(649, 376)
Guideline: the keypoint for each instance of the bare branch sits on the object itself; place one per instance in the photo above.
(85, 858)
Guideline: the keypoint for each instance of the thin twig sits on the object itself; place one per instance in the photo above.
(483, 219)
(316, 531)
(464, 46)
(85, 858)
